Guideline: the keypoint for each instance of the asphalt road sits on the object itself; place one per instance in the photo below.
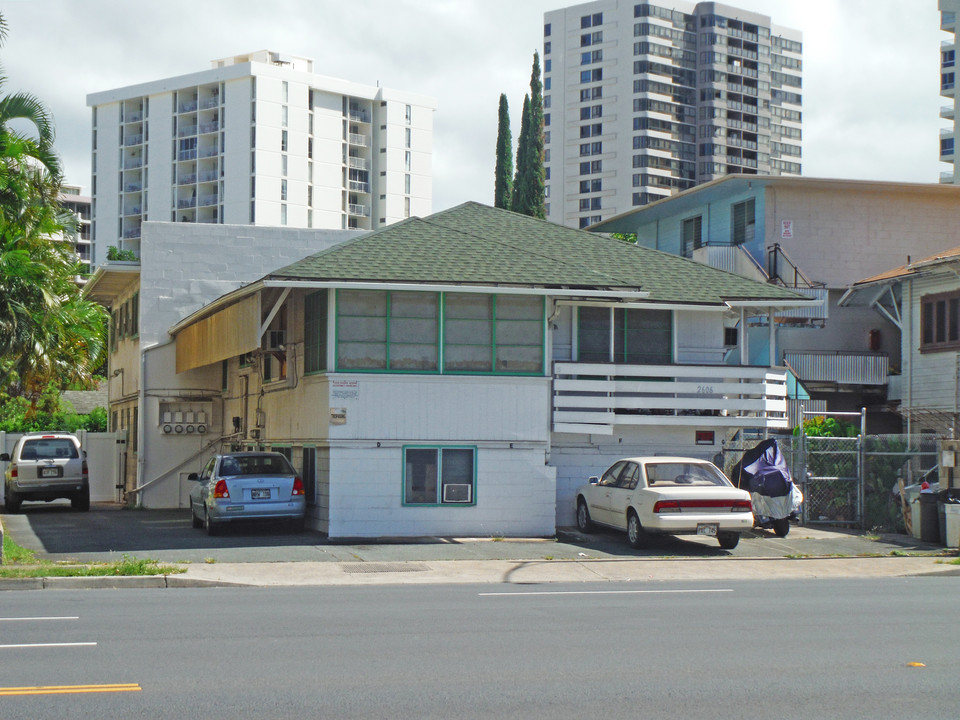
(56, 532)
(827, 648)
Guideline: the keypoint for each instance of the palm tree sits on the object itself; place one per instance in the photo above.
(48, 332)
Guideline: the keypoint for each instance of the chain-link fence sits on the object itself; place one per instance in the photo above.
(851, 482)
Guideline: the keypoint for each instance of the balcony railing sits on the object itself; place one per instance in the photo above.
(187, 131)
(207, 200)
(358, 162)
(358, 186)
(187, 154)
(131, 233)
(132, 139)
(132, 163)
(358, 140)
(361, 210)
(946, 112)
(133, 117)
(814, 312)
(732, 258)
(209, 127)
(596, 397)
(946, 177)
(206, 152)
(209, 102)
(208, 176)
(187, 107)
(187, 203)
(186, 179)
(359, 115)
(840, 368)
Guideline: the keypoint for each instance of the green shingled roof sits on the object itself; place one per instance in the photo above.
(473, 244)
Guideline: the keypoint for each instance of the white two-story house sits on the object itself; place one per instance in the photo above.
(462, 373)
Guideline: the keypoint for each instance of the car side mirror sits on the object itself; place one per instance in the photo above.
(594, 480)
(193, 476)
(4, 457)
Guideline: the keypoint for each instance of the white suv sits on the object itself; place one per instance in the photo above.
(46, 466)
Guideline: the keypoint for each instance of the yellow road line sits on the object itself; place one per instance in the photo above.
(66, 689)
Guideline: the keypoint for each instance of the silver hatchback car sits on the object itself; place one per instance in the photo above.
(246, 486)
(46, 466)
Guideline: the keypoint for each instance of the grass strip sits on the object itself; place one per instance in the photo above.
(19, 562)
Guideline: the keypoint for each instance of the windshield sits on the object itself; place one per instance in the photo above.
(683, 474)
(255, 465)
(49, 449)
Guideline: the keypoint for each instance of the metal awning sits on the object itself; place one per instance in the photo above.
(233, 330)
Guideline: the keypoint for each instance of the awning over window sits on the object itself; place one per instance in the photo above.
(229, 332)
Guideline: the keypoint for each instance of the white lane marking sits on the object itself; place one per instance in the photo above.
(603, 592)
(23, 619)
(46, 645)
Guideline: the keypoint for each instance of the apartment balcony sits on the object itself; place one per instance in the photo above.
(358, 140)
(820, 311)
(594, 398)
(359, 115)
(132, 140)
(946, 178)
(358, 186)
(838, 367)
(947, 112)
(206, 152)
(187, 155)
(948, 21)
(210, 102)
(132, 163)
(186, 203)
(209, 127)
(208, 176)
(358, 163)
(131, 234)
(358, 210)
(188, 131)
(131, 210)
(947, 85)
(133, 117)
(207, 200)
(186, 179)
(133, 187)
(187, 107)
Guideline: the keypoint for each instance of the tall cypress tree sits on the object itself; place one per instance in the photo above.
(503, 182)
(535, 172)
(521, 190)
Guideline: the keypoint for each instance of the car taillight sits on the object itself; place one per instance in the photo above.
(220, 489)
(13, 469)
(86, 472)
(297, 486)
(742, 506)
(668, 506)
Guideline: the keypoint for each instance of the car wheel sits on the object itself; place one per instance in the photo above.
(81, 501)
(194, 518)
(728, 540)
(208, 524)
(636, 535)
(781, 527)
(584, 524)
(11, 502)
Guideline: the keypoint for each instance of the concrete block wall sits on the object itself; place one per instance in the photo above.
(515, 496)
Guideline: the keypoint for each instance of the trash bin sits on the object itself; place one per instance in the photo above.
(946, 499)
(912, 493)
(952, 517)
(929, 518)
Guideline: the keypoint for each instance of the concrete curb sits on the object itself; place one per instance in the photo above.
(107, 582)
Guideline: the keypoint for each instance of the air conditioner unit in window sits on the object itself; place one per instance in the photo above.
(457, 492)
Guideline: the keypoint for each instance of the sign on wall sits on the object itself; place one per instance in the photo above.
(786, 229)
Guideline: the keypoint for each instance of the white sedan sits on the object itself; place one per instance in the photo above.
(665, 495)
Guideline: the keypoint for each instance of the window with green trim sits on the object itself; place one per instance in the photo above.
(315, 331)
(381, 330)
(439, 475)
(361, 330)
(493, 333)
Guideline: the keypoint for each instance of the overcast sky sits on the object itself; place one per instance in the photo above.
(871, 68)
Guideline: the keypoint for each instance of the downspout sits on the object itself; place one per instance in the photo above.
(908, 318)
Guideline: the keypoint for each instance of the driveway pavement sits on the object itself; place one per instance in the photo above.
(107, 532)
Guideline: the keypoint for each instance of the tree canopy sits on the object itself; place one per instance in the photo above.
(503, 180)
(48, 332)
(529, 183)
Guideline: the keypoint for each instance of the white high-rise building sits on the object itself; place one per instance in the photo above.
(644, 99)
(258, 139)
(949, 9)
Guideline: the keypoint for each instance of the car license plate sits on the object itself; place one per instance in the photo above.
(260, 494)
(49, 472)
(707, 529)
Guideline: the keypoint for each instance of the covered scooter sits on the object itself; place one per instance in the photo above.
(762, 471)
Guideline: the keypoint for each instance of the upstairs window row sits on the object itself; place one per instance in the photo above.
(403, 331)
